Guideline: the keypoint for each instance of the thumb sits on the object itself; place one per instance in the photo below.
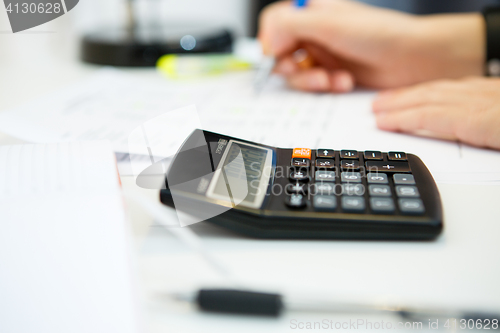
(282, 26)
(268, 34)
(321, 80)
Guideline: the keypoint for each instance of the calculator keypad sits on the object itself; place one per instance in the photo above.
(299, 175)
(351, 177)
(301, 162)
(301, 153)
(349, 154)
(325, 153)
(353, 189)
(396, 156)
(377, 178)
(350, 165)
(325, 176)
(296, 188)
(324, 188)
(382, 205)
(372, 155)
(353, 204)
(411, 206)
(379, 190)
(324, 163)
(388, 166)
(404, 179)
(407, 191)
(296, 201)
(354, 182)
(325, 202)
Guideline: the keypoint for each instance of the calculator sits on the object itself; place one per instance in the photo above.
(303, 193)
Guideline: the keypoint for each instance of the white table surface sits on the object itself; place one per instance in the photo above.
(461, 268)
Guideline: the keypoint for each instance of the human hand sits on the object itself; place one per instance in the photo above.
(352, 43)
(467, 110)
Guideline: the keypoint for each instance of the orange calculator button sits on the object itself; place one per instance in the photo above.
(301, 153)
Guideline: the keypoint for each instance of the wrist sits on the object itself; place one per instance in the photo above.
(456, 42)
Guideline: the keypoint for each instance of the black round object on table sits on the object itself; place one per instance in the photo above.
(143, 47)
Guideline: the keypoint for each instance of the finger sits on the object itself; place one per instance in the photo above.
(341, 81)
(306, 57)
(436, 120)
(314, 79)
(400, 99)
(303, 59)
(322, 57)
(321, 80)
(286, 66)
(433, 93)
(269, 30)
(282, 26)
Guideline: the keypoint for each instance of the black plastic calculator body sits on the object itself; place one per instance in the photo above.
(303, 193)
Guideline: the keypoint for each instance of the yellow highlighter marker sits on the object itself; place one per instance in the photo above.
(177, 66)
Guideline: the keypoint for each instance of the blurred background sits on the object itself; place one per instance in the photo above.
(239, 15)
(29, 59)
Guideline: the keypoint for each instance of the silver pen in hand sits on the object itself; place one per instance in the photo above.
(268, 62)
(265, 69)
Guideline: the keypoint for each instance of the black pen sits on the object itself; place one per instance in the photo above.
(234, 301)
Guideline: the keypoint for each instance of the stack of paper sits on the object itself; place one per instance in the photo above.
(64, 250)
(112, 105)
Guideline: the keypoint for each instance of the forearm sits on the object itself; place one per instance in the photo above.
(457, 43)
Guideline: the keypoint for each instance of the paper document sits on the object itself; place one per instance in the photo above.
(64, 246)
(111, 105)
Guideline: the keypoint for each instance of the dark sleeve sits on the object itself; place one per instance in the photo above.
(492, 20)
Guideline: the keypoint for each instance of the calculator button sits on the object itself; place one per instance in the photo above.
(377, 178)
(301, 153)
(296, 188)
(325, 153)
(351, 154)
(300, 176)
(301, 162)
(379, 190)
(325, 176)
(353, 189)
(402, 179)
(325, 164)
(351, 177)
(407, 191)
(372, 155)
(411, 206)
(351, 165)
(387, 166)
(353, 204)
(326, 188)
(396, 156)
(325, 202)
(382, 205)
(296, 201)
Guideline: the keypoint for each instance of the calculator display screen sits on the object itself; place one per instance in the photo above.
(243, 175)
